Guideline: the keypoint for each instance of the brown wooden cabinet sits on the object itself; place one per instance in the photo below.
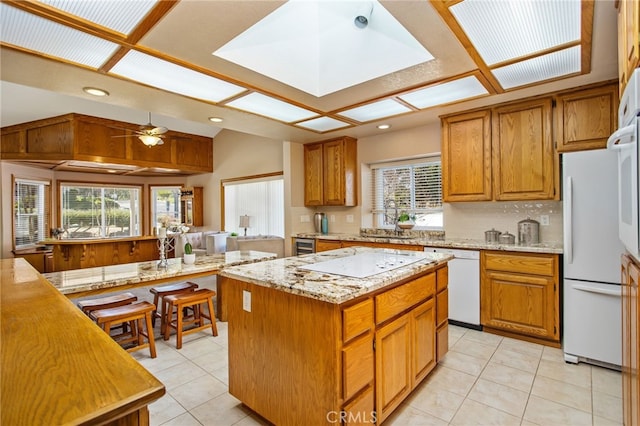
(324, 245)
(525, 166)
(585, 119)
(330, 173)
(76, 142)
(505, 153)
(519, 295)
(630, 341)
(192, 206)
(466, 157)
(628, 40)
(442, 312)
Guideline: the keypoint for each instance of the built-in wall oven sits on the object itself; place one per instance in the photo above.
(625, 142)
(303, 246)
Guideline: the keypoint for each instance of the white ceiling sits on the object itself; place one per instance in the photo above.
(184, 36)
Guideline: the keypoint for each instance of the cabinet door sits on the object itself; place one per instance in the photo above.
(525, 166)
(631, 37)
(633, 371)
(324, 245)
(466, 157)
(585, 119)
(393, 365)
(313, 172)
(339, 166)
(423, 334)
(519, 303)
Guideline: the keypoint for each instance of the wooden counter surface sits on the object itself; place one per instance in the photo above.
(81, 241)
(57, 366)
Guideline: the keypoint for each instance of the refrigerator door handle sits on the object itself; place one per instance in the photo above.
(568, 219)
(597, 290)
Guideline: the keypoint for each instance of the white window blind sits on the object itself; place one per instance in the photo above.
(413, 186)
(31, 212)
(260, 199)
(90, 211)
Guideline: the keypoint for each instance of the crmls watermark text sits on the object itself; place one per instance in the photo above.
(351, 417)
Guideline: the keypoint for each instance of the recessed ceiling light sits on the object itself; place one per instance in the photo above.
(384, 126)
(215, 119)
(95, 91)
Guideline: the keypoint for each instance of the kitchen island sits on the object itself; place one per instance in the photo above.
(339, 336)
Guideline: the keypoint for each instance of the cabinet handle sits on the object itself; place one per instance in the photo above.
(606, 292)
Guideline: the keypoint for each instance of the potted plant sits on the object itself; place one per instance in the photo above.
(406, 221)
(189, 256)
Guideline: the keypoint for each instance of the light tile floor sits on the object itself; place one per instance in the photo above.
(484, 379)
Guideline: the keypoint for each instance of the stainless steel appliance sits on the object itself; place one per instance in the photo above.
(591, 287)
(625, 143)
(464, 286)
(491, 236)
(303, 246)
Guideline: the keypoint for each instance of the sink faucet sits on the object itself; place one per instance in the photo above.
(396, 229)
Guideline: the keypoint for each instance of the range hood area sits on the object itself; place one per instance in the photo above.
(81, 143)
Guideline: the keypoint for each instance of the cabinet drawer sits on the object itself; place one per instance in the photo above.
(357, 319)
(394, 301)
(526, 264)
(357, 366)
(360, 411)
(442, 280)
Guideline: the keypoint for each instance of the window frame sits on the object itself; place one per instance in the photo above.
(378, 210)
(46, 216)
(102, 185)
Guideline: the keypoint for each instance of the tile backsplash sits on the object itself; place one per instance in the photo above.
(471, 220)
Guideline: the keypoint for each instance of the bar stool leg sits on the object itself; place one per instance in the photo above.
(179, 328)
(152, 343)
(212, 317)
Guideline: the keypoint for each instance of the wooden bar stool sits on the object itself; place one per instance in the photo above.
(195, 300)
(134, 313)
(159, 294)
(90, 305)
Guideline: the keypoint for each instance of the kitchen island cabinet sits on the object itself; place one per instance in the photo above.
(313, 348)
(519, 296)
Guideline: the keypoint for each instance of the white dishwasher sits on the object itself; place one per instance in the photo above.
(464, 286)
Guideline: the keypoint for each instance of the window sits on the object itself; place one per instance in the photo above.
(262, 199)
(90, 211)
(165, 203)
(31, 212)
(414, 187)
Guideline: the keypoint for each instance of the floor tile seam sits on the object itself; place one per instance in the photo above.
(500, 409)
(560, 403)
(509, 386)
(590, 389)
(593, 407)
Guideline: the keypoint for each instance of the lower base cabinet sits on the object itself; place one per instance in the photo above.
(519, 295)
(349, 364)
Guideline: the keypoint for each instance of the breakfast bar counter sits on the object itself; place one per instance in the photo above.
(57, 366)
(90, 281)
(341, 336)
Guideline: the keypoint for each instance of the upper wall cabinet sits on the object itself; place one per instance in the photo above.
(525, 166)
(330, 169)
(585, 119)
(466, 157)
(628, 39)
(500, 154)
(75, 142)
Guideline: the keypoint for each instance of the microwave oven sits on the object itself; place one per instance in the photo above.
(625, 142)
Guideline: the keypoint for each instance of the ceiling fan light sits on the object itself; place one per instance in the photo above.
(149, 140)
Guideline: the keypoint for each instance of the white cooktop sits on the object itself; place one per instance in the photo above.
(364, 264)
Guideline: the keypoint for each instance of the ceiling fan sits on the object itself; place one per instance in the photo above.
(149, 134)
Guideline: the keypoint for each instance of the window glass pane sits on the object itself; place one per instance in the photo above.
(165, 203)
(414, 187)
(31, 212)
(262, 201)
(96, 212)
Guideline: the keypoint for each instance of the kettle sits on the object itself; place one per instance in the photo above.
(528, 231)
(491, 236)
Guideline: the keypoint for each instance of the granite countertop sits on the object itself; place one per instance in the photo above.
(87, 279)
(453, 243)
(285, 274)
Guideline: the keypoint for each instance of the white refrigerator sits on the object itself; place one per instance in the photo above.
(592, 329)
